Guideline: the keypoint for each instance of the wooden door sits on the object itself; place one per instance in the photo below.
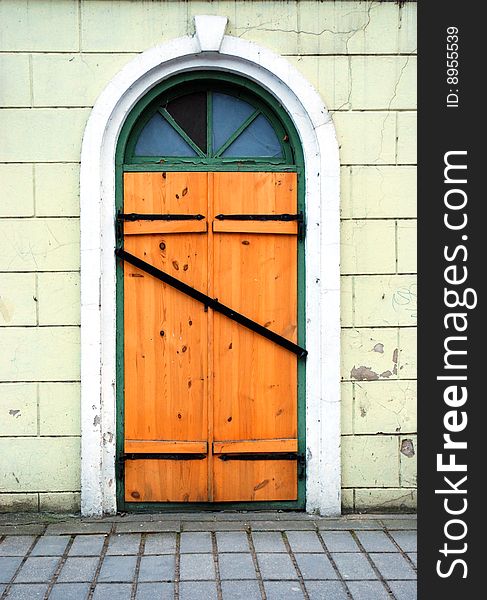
(210, 406)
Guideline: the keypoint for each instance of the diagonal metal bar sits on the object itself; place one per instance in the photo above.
(170, 119)
(211, 302)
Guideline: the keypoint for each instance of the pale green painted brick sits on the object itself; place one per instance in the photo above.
(270, 24)
(73, 79)
(346, 210)
(385, 407)
(57, 190)
(15, 503)
(366, 137)
(59, 409)
(374, 349)
(347, 27)
(39, 354)
(60, 502)
(370, 461)
(379, 192)
(119, 26)
(58, 296)
(407, 138)
(18, 409)
(368, 246)
(346, 301)
(408, 456)
(408, 29)
(383, 82)
(39, 26)
(346, 392)
(385, 300)
(39, 244)
(347, 499)
(329, 75)
(15, 88)
(385, 499)
(407, 246)
(17, 190)
(40, 464)
(17, 299)
(408, 353)
(42, 134)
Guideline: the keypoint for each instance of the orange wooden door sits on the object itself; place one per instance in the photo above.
(211, 405)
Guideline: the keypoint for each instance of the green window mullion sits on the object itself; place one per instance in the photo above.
(235, 135)
(209, 123)
(182, 133)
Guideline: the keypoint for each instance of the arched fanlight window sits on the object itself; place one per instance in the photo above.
(208, 123)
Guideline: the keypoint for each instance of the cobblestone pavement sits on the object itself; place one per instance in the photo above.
(224, 556)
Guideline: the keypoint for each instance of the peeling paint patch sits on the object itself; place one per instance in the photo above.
(96, 421)
(363, 374)
(407, 448)
(386, 374)
(15, 413)
(379, 348)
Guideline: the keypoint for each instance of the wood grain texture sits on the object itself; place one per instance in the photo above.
(243, 446)
(166, 446)
(275, 227)
(166, 480)
(164, 227)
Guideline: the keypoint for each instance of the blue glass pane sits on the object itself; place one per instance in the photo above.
(228, 114)
(158, 138)
(258, 139)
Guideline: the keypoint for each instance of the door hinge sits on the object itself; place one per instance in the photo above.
(158, 217)
(301, 465)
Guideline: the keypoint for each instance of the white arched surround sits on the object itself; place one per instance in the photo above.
(98, 281)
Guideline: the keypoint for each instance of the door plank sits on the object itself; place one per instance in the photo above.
(163, 227)
(166, 446)
(243, 446)
(277, 227)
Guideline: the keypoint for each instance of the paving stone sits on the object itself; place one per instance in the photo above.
(160, 543)
(232, 541)
(404, 590)
(304, 541)
(8, 566)
(326, 590)
(77, 569)
(341, 524)
(113, 591)
(36, 529)
(276, 566)
(16, 545)
(155, 591)
(283, 590)
(407, 540)
(37, 569)
(117, 568)
(236, 566)
(157, 568)
(69, 591)
(50, 545)
(215, 526)
(393, 566)
(75, 527)
(124, 544)
(414, 557)
(376, 541)
(282, 525)
(196, 567)
(87, 545)
(147, 527)
(315, 566)
(365, 590)
(268, 542)
(353, 565)
(192, 590)
(241, 590)
(192, 543)
(395, 524)
(339, 541)
(31, 591)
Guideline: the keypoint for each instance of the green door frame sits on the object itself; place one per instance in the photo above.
(293, 161)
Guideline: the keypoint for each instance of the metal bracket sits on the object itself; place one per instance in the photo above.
(156, 217)
(283, 217)
(299, 457)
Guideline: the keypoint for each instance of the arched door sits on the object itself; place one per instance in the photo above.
(211, 351)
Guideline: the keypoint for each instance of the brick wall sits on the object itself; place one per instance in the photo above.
(55, 58)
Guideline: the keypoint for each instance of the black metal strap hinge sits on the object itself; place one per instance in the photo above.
(211, 303)
(157, 217)
(282, 217)
(297, 456)
(155, 456)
